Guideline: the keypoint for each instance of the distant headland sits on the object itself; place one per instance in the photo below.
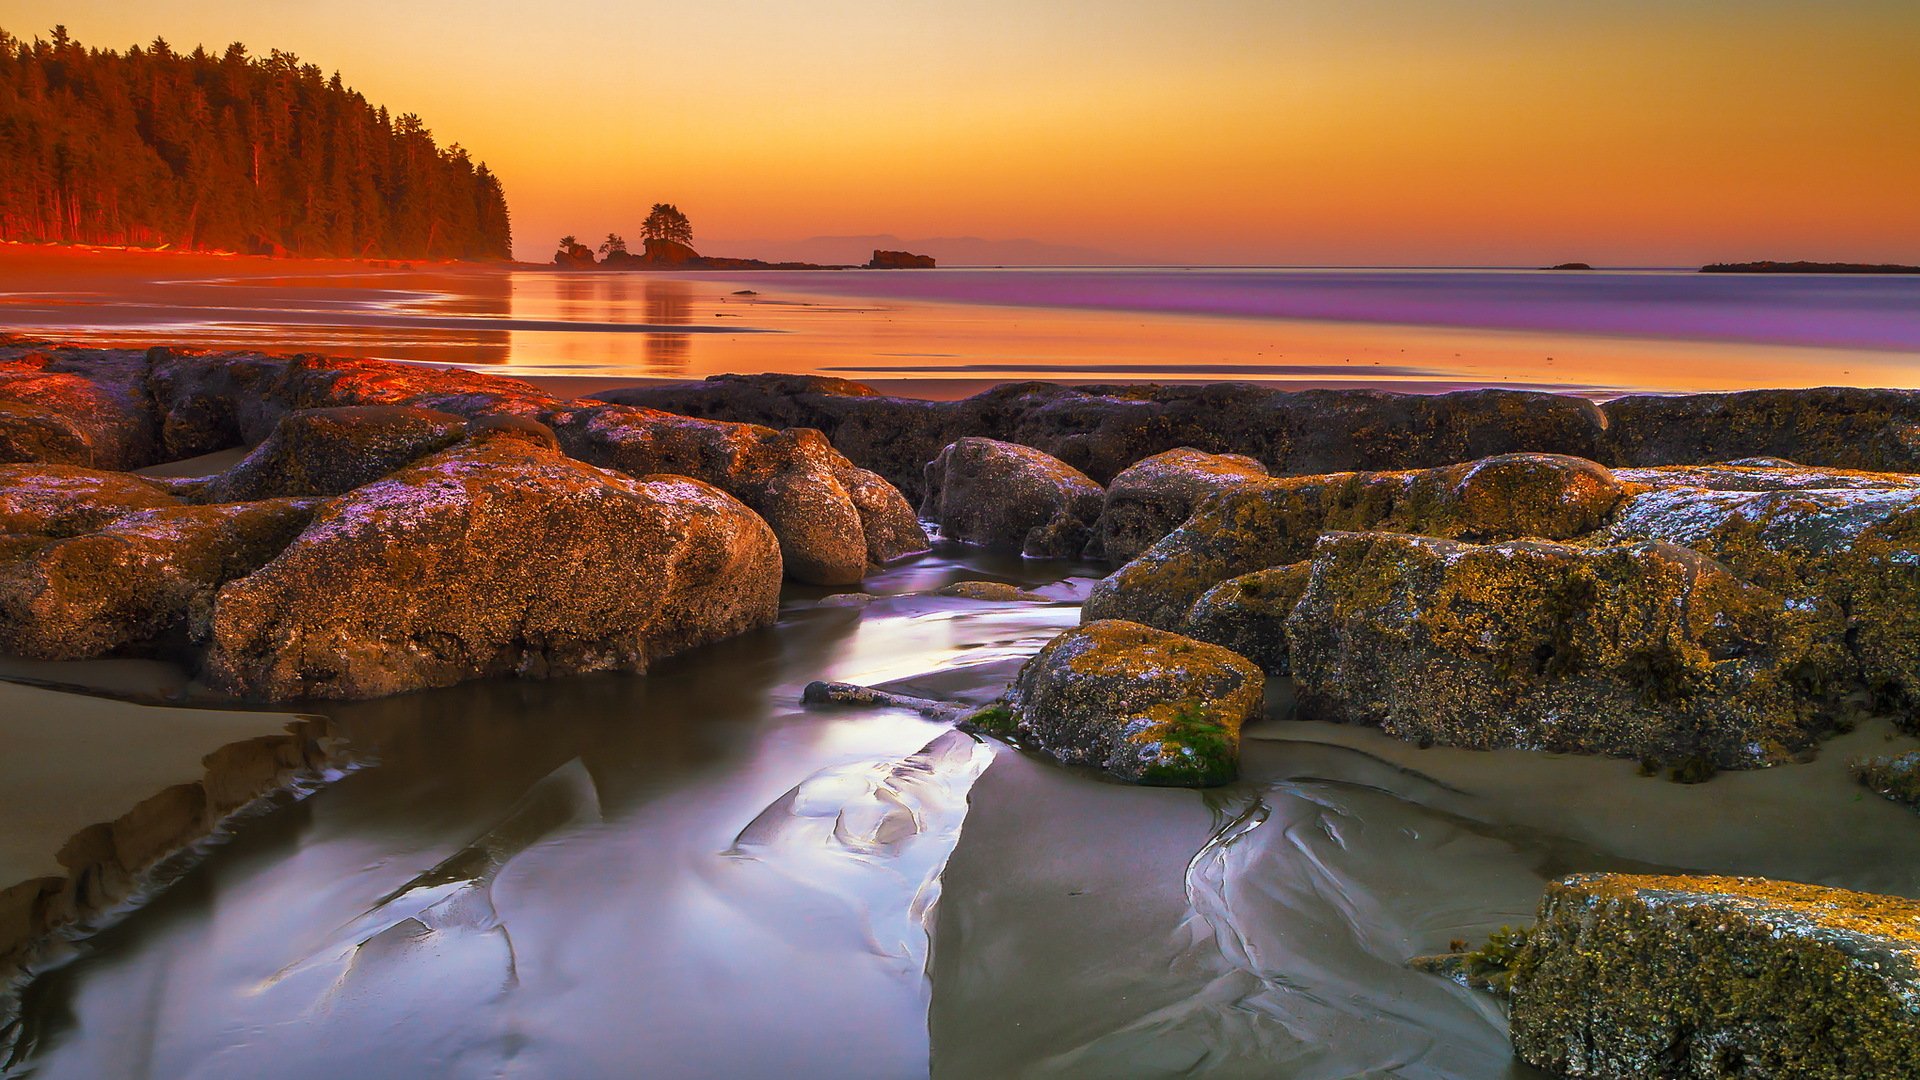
(1770, 267)
(667, 244)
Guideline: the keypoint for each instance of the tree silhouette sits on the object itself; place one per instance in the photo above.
(666, 222)
(613, 244)
(569, 242)
(227, 152)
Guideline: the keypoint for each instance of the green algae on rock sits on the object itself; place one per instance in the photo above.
(1275, 523)
(1248, 614)
(1641, 650)
(1674, 976)
(1141, 704)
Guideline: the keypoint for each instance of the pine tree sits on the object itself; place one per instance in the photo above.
(227, 152)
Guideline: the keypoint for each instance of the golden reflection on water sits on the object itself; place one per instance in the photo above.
(632, 325)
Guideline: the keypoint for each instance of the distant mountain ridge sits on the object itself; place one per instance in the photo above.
(949, 250)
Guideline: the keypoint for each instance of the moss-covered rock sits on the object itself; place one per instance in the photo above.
(995, 591)
(1830, 426)
(1646, 976)
(494, 557)
(146, 578)
(1151, 497)
(333, 451)
(996, 494)
(1248, 614)
(66, 500)
(1637, 650)
(1896, 777)
(1275, 523)
(1856, 548)
(1141, 704)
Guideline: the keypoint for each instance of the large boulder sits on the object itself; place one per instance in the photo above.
(1838, 426)
(1275, 523)
(147, 577)
(1857, 548)
(66, 500)
(1762, 474)
(1641, 976)
(1140, 704)
(1644, 650)
(1248, 614)
(1151, 497)
(333, 451)
(76, 406)
(494, 557)
(995, 494)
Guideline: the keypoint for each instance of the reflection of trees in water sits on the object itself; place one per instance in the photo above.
(669, 303)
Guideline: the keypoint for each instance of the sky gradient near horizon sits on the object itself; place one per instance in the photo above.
(1330, 132)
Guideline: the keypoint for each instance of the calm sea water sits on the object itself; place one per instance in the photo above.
(951, 330)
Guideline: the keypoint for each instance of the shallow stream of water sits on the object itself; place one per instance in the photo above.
(690, 874)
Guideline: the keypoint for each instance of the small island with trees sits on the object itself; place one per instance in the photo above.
(667, 244)
(1768, 266)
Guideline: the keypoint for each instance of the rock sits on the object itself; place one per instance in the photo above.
(1876, 430)
(1141, 704)
(842, 693)
(76, 406)
(1763, 474)
(1645, 650)
(333, 451)
(1151, 497)
(1896, 777)
(1632, 976)
(899, 260)
(146, 577)
(66, 500)
(1102, 430)
(995, 591)
(1275, 523)
(493, 558)
(846, 600)
(1248, 614)
(1854, 548)
(995, 494)
(833, 518)
(573, 257)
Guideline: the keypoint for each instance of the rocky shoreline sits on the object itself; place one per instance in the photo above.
(1702, 582)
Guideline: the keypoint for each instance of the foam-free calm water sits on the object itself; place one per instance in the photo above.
(952, 330)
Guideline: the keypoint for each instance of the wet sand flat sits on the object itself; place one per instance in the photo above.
(73, 760)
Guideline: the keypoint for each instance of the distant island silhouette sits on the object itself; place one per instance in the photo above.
(667, 244)
(1569, 266)
(1770, 267)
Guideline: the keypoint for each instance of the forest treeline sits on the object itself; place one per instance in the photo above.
(227, 152)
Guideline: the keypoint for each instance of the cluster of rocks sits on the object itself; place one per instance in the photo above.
(396, 527)
(1102, 429)
(1676, 976)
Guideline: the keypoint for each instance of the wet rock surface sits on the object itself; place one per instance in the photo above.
(1650, 650)
(494, 558)
(1003, 495)
(1275, 522)
(1629, 976)
(1248, 614)
(1151, 497)
(1896, 777)
(1831, 426)
(1140, 704)
(120, 409)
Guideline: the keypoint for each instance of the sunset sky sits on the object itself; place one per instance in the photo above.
(1310, 132)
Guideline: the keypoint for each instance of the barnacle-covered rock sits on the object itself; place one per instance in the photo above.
(1248, 614)
(1642, 650)
(1275, 523)
(494, 557)
(1151, 497)
(1673, 976)
(996, 494)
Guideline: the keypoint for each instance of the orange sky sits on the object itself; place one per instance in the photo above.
(1305, 132)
